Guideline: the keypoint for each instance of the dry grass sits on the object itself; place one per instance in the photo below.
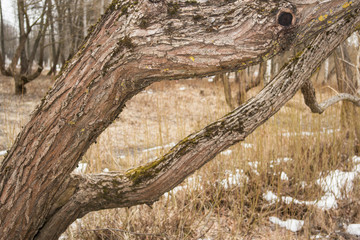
(206, 208)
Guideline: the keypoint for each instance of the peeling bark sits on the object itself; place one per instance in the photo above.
(135, 44)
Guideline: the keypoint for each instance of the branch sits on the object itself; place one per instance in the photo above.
(146, 184)
(309, 94)
(28, 78)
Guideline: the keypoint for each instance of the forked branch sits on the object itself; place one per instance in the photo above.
(146, 184)
(309, 94)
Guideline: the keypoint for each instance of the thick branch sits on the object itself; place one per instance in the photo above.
(308, 92)
(147, 183)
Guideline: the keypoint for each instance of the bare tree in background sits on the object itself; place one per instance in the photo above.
(69, 23)
(135, 44)
(346, 74)
(24, 52)
(2, 36)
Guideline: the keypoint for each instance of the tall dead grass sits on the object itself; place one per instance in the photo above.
(211, 204)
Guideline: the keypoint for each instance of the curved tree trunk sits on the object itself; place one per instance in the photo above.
(135, 44)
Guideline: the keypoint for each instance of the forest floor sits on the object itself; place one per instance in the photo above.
(296, 177)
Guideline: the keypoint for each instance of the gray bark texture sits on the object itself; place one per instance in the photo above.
(135, 44)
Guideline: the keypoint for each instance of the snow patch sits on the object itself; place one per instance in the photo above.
(353, 229)
(356, 159)
(319, 236)
(81, 168)
(270, 197)
(226, 152)
(233, 179)
(3, 153)
(191, 182)
(290, 224)
(284, 176)
(336, 181)
(247, 145)
(307, 134)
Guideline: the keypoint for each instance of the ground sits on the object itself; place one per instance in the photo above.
(226, 198)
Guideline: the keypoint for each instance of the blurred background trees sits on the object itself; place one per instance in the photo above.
(44, 34)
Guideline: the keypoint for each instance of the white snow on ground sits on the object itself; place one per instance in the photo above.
(191, 182)
(356, 159)
(284, 177)
(337, 180)
(81, 168)
(290, 224)
(304, 133)
(74, 227)
(270, 197)
(229, 151)
(182, 88)
(335, 184)
(254, 166)
(326, 202)
(247, 145)
(226, 152)
(353, 229)
(281, 160)
(3, 153)
(319, 236)
(233, 179)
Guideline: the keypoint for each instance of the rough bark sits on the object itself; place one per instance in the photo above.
(135, 44)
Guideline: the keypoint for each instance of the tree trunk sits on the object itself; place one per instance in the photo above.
(227, 89)
(241, 74)
(347, 83)
(39, 197)
(2, 37)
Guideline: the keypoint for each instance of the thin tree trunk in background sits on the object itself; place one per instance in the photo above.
(44, 23)
(326, 72)
(102, 7)
(347, 83)
(85, 27)
(52, 39)
(23, 38)
(241, 97)
(262, 72)
(2, 36)
(227, 90)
